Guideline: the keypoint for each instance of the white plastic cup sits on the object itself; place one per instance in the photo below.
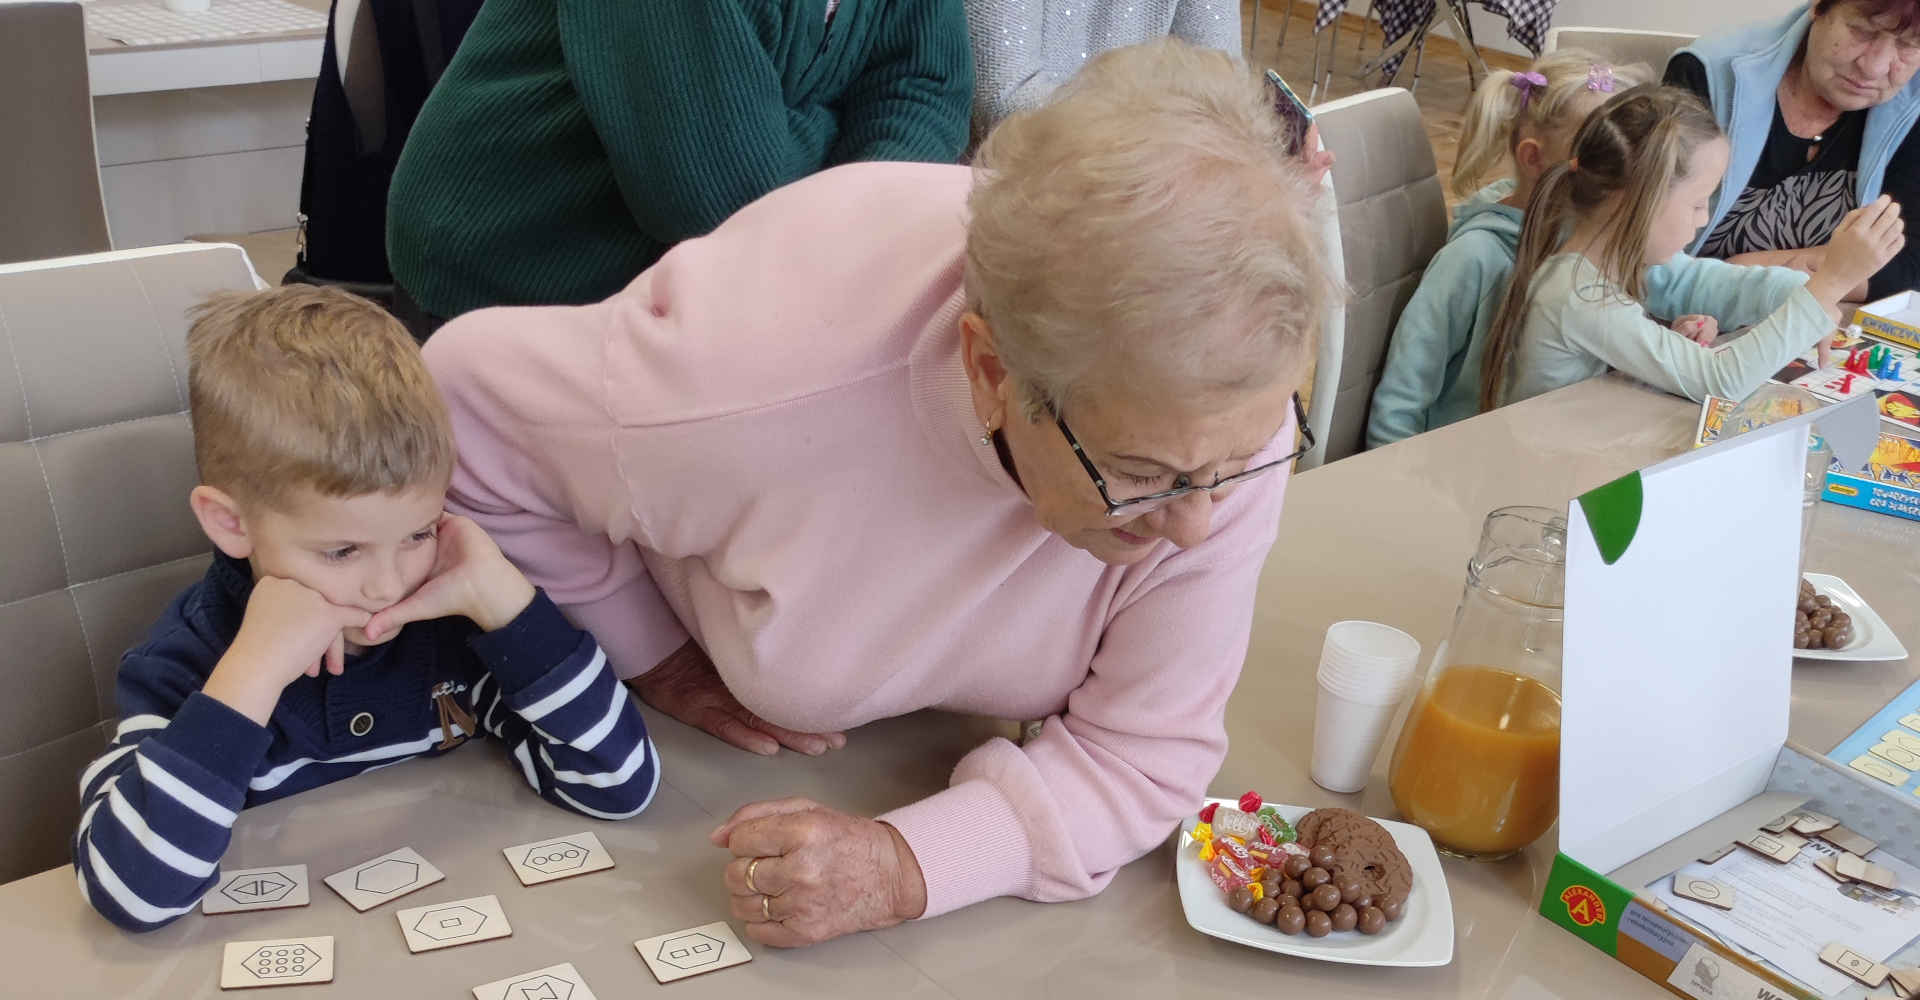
(1366, 670)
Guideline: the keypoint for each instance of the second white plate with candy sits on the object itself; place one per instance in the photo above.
(1423, 937)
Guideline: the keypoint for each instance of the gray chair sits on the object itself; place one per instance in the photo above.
(1392, 220)
(1622, 45)
(50, 201)
(96, 460)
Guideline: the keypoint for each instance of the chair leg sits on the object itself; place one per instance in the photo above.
(1286, 21)
(1253, 34)
(1360, 47)
(1323, 85)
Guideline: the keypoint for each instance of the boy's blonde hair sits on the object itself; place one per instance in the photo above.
(304, 386)
(1146, 228)
(1637, 146)
(1503, 112)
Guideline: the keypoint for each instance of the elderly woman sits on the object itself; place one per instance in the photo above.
(1820, 108)
(1010, 443)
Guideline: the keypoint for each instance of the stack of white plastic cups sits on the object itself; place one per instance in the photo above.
(1366, 670)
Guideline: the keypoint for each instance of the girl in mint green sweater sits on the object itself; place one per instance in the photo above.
(1527, 120)
(1634, 193)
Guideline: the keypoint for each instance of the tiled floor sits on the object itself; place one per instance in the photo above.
(1442, 93)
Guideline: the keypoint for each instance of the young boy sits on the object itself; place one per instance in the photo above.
(324, 454)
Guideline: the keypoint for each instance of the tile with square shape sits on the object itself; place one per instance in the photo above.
(1911, 722)
(1860, 869)
(1897, 756)
(1867, 971)
(287, 962)
(1782, 847)
(1828, 868)
(1874, 767)
(389, 876)
(445, 925)
(558, 858)
(244, 889)
(1849, 841)
(692, 951)
(1811, 823)
(1901, 738)
(1703, 890)
(1781, 824)
(1714, 856)
(555, 982)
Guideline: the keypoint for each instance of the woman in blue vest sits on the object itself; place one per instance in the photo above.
(1820, 107)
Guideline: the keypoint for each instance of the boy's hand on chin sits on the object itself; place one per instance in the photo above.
(470, 578)
(288, 630)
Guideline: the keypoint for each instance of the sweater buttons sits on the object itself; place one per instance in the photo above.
(361, 725)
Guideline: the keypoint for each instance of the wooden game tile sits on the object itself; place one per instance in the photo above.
(1863, 969)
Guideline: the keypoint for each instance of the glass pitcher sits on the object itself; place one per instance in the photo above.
(1478, 762)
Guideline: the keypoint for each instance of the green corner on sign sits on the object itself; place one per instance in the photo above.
(1613, 512)
(1584, 902)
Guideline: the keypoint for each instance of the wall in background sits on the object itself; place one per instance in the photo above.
(1695, 17)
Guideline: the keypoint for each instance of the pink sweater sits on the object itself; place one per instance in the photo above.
(766, 442)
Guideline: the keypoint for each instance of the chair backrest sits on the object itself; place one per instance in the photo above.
(50, 201)
(1622, 45)
(1392, 220)
(96, 460)
(1333, 332)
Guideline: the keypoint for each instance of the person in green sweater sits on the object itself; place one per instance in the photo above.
(571, 143)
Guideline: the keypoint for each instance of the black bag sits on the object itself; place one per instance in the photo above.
(396, 50)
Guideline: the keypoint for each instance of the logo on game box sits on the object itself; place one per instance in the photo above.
(1584, 905)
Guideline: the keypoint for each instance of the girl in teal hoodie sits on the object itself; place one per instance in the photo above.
(1432, 375)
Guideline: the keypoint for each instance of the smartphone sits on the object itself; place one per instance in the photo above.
(1293, 111)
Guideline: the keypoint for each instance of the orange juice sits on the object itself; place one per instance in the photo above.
(1479, 762)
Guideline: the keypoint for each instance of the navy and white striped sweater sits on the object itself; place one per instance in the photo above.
(161, 802)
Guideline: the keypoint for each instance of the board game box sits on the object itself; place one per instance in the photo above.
(1890, 484)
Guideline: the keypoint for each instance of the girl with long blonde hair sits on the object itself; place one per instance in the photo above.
(1601, 251)
(1523, 122)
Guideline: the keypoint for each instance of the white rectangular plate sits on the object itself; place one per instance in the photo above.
(244, 889)
(289, 962)
(446, 925)
(1872, 639)
(690, 952)
(389, 876)
(1422, 937)
(552, 982)
(558, 858)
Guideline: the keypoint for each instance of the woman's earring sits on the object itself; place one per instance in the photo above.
(986, 439)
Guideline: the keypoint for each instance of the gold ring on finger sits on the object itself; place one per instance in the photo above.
(751, 865)
(766, 908)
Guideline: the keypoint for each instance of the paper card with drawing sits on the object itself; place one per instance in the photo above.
(1787, 914)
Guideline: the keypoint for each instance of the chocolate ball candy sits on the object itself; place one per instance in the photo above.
(1800, 620)
(1345, 917)
(1823, 601)
(1393, 909)
(1372, 921)
(1816, 639)
(1323, 856)
(1291, 920)
(1803, 638)
(1363, 902)
(1315, 878)
(1806, 605)
(1296, 866)
(1838, 636)
(1840, 618)
(1264, 910)
(1324, 899)
(1319, 924)
(1270, 886)
(1820, 619)
(1286, 901)
(1292, 887)
(1350, 888)
(1240, 900)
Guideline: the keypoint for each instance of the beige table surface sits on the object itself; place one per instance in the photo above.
(100, 44)
(1383, 535)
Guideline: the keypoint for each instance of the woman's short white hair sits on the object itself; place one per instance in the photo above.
(1145, 229)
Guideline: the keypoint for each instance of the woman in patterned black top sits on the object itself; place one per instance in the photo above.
(1820, 108)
